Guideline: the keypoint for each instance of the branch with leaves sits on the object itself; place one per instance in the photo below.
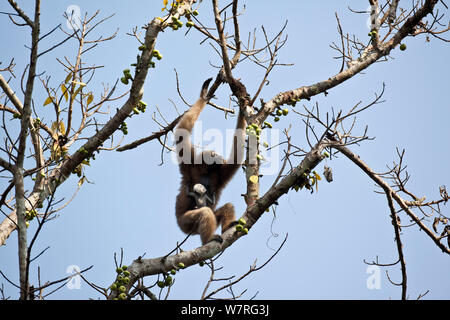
(302, 175)
(67, 139)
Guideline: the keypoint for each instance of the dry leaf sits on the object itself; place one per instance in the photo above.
(90, 98)
(65, 93)
(69, 75)
(48, 100)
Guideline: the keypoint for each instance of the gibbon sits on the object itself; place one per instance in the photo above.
(204, 176)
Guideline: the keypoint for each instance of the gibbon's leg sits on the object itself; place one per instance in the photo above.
(225, 215)
(202, 220)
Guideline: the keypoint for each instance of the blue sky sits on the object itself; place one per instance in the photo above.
(130, 202)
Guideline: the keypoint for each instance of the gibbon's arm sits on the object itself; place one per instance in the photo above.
(184, 129)
(236, 158)
(237, 151)
(190, 117)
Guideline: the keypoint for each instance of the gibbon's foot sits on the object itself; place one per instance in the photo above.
(217, 238)
(232, 224)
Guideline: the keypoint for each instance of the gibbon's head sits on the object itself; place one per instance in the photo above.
(199, 189)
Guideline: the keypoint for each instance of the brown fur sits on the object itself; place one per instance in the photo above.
(204, 220)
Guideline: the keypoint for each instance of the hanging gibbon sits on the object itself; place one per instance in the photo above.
(204, 176)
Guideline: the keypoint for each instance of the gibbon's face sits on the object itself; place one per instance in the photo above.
(199, 189)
